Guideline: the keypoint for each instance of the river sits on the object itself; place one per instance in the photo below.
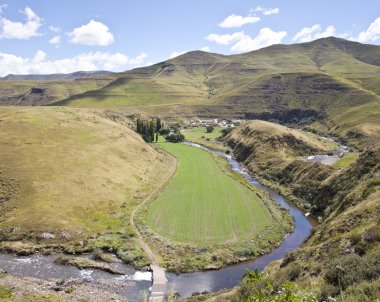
(134, 284)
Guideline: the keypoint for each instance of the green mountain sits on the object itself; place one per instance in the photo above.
(330, 80)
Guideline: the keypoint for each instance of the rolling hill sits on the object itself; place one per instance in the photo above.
(330, 80)
(73, 174)
(55, 76)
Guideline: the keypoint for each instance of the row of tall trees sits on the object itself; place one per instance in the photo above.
(149, 130)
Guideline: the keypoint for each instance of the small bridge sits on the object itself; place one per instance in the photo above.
(159, 284)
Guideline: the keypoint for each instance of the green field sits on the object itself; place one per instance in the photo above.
(199, 135)
(204, 205)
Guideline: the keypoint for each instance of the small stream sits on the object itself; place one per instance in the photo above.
(134, 284)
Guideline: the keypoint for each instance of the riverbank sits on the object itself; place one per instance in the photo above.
(228, 277)
(223, 196)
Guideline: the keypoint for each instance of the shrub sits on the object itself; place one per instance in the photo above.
(175, 138)
(209, 129)
(353, 269)
(225, 131)
(257, 287)
(364, 291)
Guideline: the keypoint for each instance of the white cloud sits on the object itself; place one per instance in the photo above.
(18, 30)
(307, 34)
(39, 64)
(138, 61)
(265, 37)
(3, 7)
(225, 39)
(233, 21)
(206, 48)
(371, 34)
(243, 42)
(54, 29)
(55, 40)
(267, 11)
(92, 33)
(177, 53)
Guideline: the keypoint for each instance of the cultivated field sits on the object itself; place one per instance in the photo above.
(204, 205)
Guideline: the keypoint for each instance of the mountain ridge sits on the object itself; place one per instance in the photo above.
(54, 76)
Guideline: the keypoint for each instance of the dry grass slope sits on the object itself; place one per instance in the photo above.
(71, 171)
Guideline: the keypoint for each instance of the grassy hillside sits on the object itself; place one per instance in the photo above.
(204, 205)
(341, 257)
(276, 155)
(330, 80)
(43, 92)
(73, 174)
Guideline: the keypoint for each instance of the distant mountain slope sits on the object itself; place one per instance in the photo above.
(43, 92)
(54, 77)
(329, 79)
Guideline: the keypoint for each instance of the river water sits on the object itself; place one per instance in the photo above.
(134, 284)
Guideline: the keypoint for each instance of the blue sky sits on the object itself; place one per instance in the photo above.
(63, 36)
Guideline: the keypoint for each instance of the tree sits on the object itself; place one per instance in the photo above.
(158, 124)
(156, 137)
(175, 138)
(209, 129)
(164, 131)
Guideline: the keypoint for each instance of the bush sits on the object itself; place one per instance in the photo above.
(364, 291)
(175, 138)
(257, 287)
(353, 269)
(209, 129)
(345, 271)
(164, 131)
(293, 271)
(225, 131)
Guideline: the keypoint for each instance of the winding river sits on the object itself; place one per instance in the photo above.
(134, 285)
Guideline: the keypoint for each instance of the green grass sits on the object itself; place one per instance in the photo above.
(346, 160)
(5, 293)
(198, 132)
(204, 205)
(199, 135)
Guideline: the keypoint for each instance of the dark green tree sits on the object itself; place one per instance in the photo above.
(209, 129)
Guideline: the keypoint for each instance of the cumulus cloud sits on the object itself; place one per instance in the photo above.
(241, 42)
(92, 33)
(54, 29)
(177, 53)
(39, 64)
(138, 61)
(267, 11)
(205, 48)
(18, 30)
(225, 39)
(371, 34)
(234, 21)
(265, 37)
(314, 32)
(55, 40)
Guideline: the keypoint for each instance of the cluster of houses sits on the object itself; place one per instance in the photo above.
(225, 123)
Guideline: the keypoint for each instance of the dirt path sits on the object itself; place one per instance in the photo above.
(159, 279)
